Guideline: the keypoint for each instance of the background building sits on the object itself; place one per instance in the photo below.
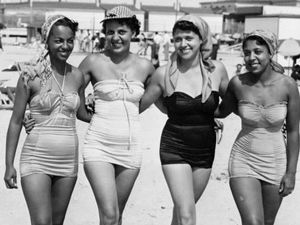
(223, 16)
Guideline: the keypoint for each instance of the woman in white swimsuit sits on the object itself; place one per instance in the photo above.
(112, 154)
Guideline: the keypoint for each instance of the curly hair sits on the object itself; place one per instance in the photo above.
(133, 23)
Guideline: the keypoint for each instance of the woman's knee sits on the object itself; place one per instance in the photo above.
(186, 216)
(269, 221)
(253, 220)
(110, 216)
(41, 220)
(58, 220)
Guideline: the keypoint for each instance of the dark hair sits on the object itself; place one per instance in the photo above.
(186, 26)
(67, 23)
(133, 23)
(259, 41)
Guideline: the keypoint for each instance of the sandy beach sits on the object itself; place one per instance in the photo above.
(150, 202)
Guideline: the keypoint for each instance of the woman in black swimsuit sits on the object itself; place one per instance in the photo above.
(188, 90)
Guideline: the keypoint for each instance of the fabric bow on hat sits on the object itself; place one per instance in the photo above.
(118, 12)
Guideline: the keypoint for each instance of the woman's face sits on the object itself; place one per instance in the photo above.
(118, 37)
(61, 42)
(186, 43)
(257, 57)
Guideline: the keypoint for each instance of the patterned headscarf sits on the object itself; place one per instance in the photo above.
(40, 66)
(272, 43)
(50, 21)
(206, 65)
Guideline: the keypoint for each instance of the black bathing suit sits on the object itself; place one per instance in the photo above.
(189, 135)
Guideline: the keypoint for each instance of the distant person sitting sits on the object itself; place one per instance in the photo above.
(99, 41)
(296, 72)
(215, 47)
(296, 75)
(155, 61)
(9, 92)
(239, 68)
(157, 40)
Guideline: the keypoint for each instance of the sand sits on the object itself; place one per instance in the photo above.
(150, 202)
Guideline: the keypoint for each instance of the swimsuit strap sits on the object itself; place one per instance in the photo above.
(61, 88)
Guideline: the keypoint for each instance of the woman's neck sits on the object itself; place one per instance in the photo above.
(58, 66)
(265, 76)
(185, 65)
(118, 57)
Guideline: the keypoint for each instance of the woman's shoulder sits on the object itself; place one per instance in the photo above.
(75, 71)
(142, 63)
(219, 73)
(159, 75)
(237, 80)
(161, 71)
(219, 67)
(140, 60)
(287, 81)
(92, 58)
(218, 64)
(286, 78)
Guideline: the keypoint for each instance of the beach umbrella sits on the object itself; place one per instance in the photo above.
(289, 47)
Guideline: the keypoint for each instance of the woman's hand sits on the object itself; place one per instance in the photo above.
(219, 126)
(90, 103)
(28, 123)
(287, 184)
(10, 177)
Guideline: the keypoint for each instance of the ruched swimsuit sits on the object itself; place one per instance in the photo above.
(114, 132)
(52, 145)
(259, 150)
(189, 136)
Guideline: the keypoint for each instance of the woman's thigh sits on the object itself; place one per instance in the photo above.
(125, 179)
(247, 194)
(62, 189)
(101, 176)
(37, 192)
(179, 178)
(271, 201)
(200, 180)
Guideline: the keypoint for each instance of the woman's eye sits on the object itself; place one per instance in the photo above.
(177, 39)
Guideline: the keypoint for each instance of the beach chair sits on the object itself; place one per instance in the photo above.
(5, 102)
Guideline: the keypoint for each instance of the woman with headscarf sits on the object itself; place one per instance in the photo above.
(54, 91)
(262, 166)
(188, 90)
(112, 153)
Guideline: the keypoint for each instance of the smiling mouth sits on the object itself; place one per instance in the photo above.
(185, 50)
(253, 64)
(64, 53)
(116, 44)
